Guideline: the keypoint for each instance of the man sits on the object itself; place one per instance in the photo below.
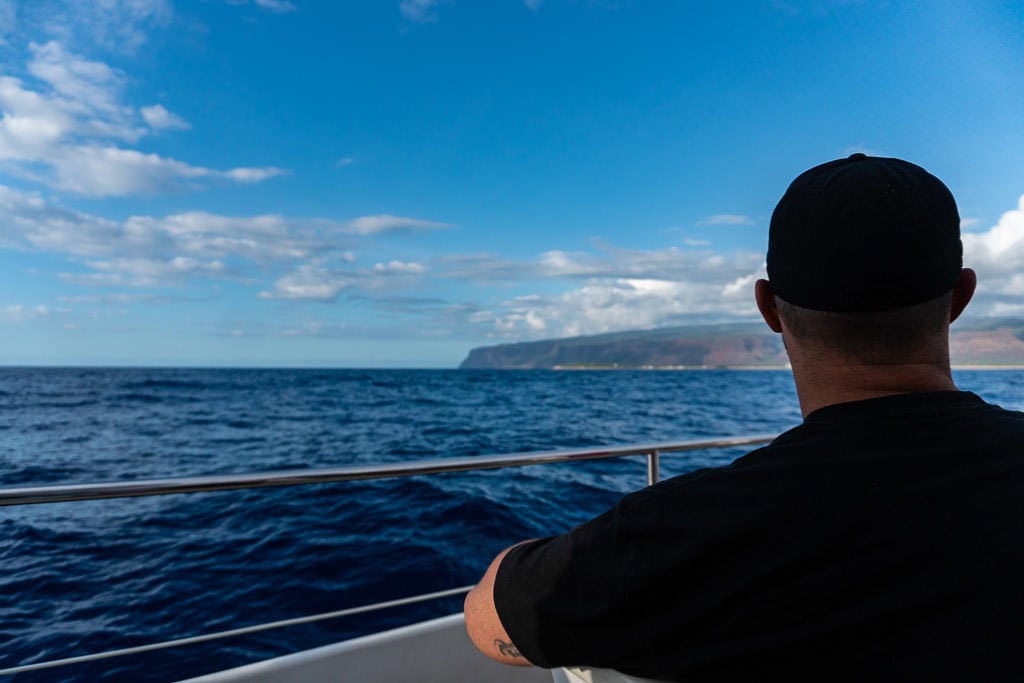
(882, 539)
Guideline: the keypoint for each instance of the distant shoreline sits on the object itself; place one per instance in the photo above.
(572, 368)
(576, 368)
(996, 344)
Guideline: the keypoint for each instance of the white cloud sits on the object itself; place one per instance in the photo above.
(344, 161)
(969, 223)
(115, 25)
(311, 328)
(104, 171)
(400, 267)
(558, 263)
(107, 171)
(90, 85)
(672, 264)
(621, 289)
(627, 289)
(317, 281)
(8, 19)
(148, 251)
(17, 313)
(1006, 309)
(742, 288)
(159, 118)
(121, 299)
(146, 272)
(30, 124)
(78, 98)
(533, 5)
(309, 281)
(31, 222)
(63, 132)
(622, 304)
(373, 225)
(279, 6)
(420, 10)
(727, 219)
(998, 254)
(263, 239)
(249, 175)
(276, 6)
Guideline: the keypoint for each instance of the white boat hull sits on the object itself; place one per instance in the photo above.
(435, 651)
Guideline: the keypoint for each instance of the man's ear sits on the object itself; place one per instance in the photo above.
(963, 290)
(765, 298)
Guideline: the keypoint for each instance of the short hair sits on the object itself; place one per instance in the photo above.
(874, 337)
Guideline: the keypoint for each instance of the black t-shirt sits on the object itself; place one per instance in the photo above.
(879, 540)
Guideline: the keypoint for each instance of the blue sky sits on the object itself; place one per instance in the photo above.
(391, 182)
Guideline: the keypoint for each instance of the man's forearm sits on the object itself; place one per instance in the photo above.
(483, 624)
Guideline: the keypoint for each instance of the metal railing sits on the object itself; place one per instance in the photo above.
(256, 628)
(61, 493)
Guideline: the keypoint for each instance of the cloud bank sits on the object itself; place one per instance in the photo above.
(70, 130)
(148, 251)
(998, 256)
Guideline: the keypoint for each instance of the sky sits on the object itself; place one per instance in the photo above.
(389, 183)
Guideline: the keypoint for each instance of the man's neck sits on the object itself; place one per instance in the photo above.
(824, 384)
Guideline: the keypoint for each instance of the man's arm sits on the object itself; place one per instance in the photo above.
(482, 623)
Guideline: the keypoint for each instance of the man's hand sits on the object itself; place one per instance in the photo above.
(482, 623)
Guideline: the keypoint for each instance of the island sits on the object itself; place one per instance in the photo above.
(974, 343)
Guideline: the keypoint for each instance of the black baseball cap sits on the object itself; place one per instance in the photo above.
(864, 234)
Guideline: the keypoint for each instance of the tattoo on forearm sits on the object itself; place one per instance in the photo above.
(507, 649)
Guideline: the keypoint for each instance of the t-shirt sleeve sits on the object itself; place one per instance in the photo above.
(633, 588)
(563, 602)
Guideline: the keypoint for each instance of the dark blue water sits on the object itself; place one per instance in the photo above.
(77, 578)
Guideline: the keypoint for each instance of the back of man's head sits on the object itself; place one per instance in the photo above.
(862, 255)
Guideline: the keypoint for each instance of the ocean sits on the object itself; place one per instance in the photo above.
(77, 578)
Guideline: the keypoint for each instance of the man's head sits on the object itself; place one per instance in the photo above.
(864, 254)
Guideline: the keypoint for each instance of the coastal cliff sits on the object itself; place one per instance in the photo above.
(979, 342)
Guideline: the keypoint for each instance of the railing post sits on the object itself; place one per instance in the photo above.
(652, 468)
